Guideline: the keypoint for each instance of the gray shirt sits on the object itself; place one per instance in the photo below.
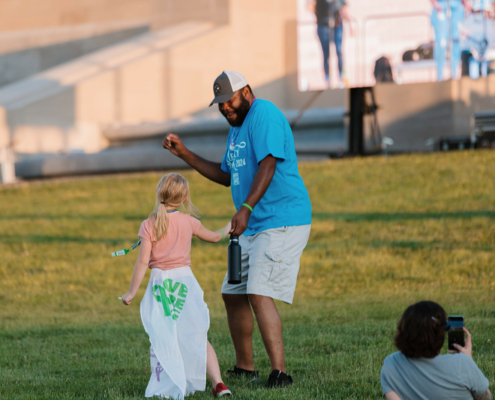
(445, 377)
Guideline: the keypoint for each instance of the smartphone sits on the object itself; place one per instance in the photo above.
(456, 333)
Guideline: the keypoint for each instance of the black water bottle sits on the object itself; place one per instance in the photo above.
(234, 273)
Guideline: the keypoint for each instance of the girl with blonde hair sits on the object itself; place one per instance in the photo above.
(173, 311)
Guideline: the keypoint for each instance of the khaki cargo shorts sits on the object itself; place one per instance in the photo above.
(270, 262)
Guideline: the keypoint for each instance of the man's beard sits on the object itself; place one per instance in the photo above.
(241, 112)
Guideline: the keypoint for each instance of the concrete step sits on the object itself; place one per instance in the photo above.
(314, 118)
(319, 134)
(44, 84)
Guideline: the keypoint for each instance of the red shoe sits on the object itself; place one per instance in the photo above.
(221, 390)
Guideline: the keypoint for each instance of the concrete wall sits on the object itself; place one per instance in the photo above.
(165, 13)
(469, 96)
(18, 15)
(410, 114)
(25, 53)
(37, 35)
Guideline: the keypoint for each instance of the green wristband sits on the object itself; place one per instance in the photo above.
(223, 235)
(248, 206)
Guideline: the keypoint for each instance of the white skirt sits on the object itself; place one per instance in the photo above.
(176, 319)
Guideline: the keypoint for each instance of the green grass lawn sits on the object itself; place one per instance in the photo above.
(386, 233)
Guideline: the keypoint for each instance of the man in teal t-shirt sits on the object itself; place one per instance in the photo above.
(273, 217)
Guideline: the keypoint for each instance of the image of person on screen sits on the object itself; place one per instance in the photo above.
(479, 36)
(330, 15)
(447, 17)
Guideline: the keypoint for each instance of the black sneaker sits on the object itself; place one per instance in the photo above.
(238, 372)
(279, 379)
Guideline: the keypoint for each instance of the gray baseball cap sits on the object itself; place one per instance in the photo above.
(227, 83)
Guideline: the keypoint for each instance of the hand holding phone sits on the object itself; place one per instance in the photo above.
(456, 331)
(457, 343)
(467, 349)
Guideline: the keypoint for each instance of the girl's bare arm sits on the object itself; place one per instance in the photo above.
(139, 271)
(213, 237)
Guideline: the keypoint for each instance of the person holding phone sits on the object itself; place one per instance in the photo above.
(419, 372)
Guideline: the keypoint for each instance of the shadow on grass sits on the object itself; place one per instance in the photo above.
(12, 239)
(58, 239)
(412, 245)
(359, 217)
(435, 244)
(55, 331)
(348, 217)
(74, 217)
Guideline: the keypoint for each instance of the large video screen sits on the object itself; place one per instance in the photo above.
(356, 43)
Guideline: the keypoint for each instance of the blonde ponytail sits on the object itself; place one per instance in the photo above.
(161, 222)
(172, 191)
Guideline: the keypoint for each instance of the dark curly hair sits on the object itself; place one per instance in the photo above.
(420, 331)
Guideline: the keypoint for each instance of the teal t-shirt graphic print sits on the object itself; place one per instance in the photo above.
(172, 295)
